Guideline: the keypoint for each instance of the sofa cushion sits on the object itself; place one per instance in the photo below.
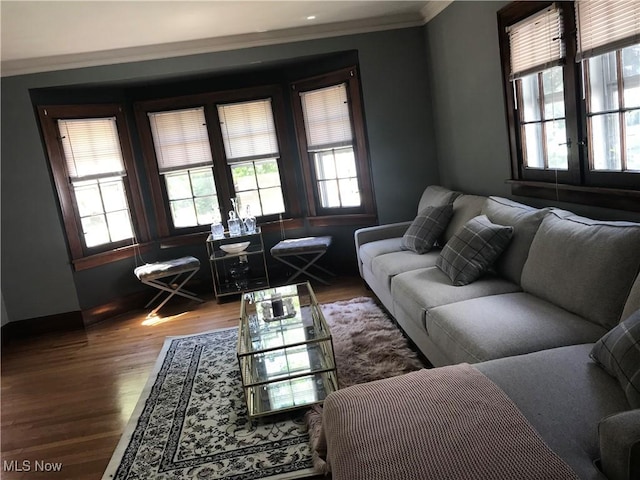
(564, 395)
(426, 228)
(473, 249)
(389, 265)
(584, 266)
(465, 207)
(371, 250)
(498, 326)
(618, 352)
(435, 195)
(419, 290)
(525, 221)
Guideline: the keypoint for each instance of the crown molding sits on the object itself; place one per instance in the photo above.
(433, 8)
(232, 42)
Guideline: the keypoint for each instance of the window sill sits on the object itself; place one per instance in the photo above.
(595, 196)
(104, 258)
(355, 220)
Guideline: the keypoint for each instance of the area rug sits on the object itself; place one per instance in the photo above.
(191, 420)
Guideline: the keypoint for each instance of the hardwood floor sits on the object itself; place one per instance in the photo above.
(66, 397)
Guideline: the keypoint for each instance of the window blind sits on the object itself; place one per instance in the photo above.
(604, 26)
(536, 42)
(180, 138)
(248, 130)
(91, 147)
(326, 117)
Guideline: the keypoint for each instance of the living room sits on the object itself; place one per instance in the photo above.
(433, 98)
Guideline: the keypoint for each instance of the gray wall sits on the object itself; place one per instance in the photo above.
(37, 278)
(463, 59)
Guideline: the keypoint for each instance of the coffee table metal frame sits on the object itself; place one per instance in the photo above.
(286, 362)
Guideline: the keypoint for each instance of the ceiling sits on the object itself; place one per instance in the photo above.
(52, 35)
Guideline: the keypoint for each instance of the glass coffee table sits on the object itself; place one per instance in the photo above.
(285, 350)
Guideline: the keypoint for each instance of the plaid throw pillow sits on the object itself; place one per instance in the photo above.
(427, 228)
(472, 250)
(618, 352)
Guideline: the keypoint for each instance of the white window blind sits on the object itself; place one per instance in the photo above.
(91, 147)
(326, 117)
(248, 130)
(536, 42)
(180, 138)
(604, 26)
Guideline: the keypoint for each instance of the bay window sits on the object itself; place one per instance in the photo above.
(572, 87)
(92, 165)
(332, 144)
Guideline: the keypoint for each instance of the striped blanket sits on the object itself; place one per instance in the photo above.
(444, 423)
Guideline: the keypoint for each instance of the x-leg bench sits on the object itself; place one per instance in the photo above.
(164, 276)
(306, 251)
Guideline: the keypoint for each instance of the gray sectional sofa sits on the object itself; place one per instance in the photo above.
(530, 322)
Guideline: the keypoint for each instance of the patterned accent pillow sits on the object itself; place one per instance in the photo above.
(427, 228)
(618, 352)
(472, 250)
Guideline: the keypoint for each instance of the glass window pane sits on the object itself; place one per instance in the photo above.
(268, 173)
(552, 84)
(113, 195)
(631, 75)
(605, 142)
(346, 163)
(325, 165)
(178, 185)
(557, 151)
(349, 192)
(202, 182)
(632, 120)
(95, 230)
(272, 201)
(183, 213)
(205, 209)
(244, 176)
(119, 225)
(530, 98)
(603, 83)
(251, 198)
(88, 198)
(329, 193)
(534, 157)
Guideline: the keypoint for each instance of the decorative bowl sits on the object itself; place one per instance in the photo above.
(234, 247)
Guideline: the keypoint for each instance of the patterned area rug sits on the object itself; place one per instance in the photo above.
(191, 420)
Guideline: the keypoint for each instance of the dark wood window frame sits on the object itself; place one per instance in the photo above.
(82, 256)
(319, 216)
(222, 173)
(577, 184)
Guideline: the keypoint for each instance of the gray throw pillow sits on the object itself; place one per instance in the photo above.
(472, 250)
(426, 228)
(618, 352)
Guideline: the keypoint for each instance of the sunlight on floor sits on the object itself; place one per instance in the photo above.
(157, 319)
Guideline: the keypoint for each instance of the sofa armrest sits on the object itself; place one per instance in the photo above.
(620, 445)
(378, 232)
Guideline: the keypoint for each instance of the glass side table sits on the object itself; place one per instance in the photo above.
(285, 350)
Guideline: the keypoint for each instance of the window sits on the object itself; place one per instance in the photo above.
(573, 99)
(252, 152)
(183, 155)
(203, 150)
(332, 145)
(92, 165)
